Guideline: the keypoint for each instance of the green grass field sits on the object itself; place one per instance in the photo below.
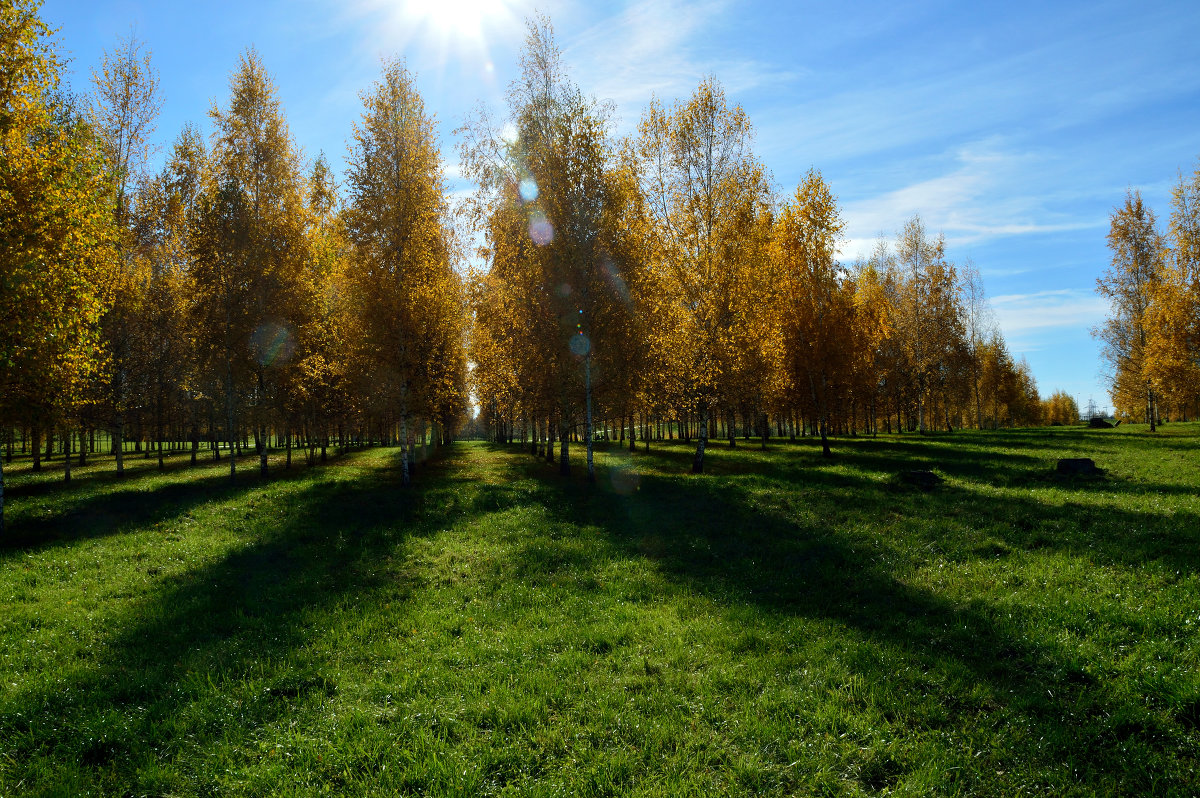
(782, 625)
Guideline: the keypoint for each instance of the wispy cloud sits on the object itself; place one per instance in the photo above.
(1023, 314)
(986, 191)
(663, 48)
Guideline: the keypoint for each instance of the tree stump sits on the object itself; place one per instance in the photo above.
(925, 480)
(1078, 467)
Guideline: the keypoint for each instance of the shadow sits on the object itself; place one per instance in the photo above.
(237, 623)
(80, 515)
(804, 538)
(90, 507)
(788, 540)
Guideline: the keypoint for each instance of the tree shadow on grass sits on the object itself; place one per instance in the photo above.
(863, 477)
(212, 655)
(82, 516)
(796, 552)
(94, 507)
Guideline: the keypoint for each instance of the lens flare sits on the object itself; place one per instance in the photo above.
(272, 343)
(623, 474)
(528, 190)
(613, 278)
(580, 345)
(540, 229)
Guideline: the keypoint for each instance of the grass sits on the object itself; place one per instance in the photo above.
(781, 625)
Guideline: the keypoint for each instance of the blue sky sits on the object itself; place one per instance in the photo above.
(1013, 128)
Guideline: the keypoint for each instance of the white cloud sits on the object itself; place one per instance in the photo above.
(1023, 314)
(985, 192)
(653, 49)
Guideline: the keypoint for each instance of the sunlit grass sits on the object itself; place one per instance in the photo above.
(781, 625)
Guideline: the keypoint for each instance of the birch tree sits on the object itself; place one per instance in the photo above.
(1128, 284)
(818, 299)
(126, 102)
(703, 189)
(1173, 315)
(394, 220)
(55, 229)
(256, 169)
(550, 196)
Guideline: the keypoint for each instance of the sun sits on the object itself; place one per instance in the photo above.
(453, 17)
(459, 28)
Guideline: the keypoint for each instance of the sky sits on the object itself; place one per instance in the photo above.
(1014, 129)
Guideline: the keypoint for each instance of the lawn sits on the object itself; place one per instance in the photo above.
(781, 625)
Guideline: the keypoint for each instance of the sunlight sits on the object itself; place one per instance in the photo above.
(453, 17)
(453, 29)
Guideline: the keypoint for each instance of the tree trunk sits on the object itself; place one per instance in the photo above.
(549, 441)
(67, 455)
(36, 434)
(229, 419)
(118, 444)
(1, 500)
(702, 441)
(405, 473)
(978, 404)
(564, 459)
(587, 380)
(195, 435)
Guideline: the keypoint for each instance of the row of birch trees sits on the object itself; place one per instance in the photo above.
(237, 294)
(1151, 339)
(647, 286)
(656, 285)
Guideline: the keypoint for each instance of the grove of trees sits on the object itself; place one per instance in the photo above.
(233, 299)
(658, 284)
(1151, 340)
(643, 287)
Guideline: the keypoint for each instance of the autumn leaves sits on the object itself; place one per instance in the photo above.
(241, 294)
(408, 322)
(704, 301)
(56, 242)
(234, 295)
(1151, 339)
